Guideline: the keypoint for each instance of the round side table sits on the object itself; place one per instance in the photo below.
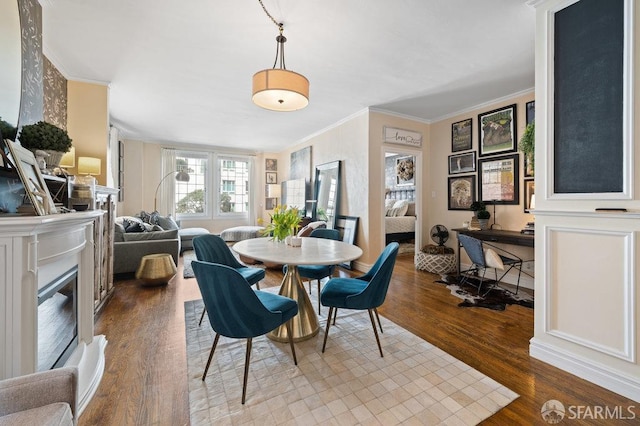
(156, 269)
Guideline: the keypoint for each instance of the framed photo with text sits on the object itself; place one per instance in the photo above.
(461, 135)
(461, 192)
(462, 163)
(497, 131)
(499, 179)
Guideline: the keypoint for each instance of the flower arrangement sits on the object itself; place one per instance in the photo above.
(284, 222)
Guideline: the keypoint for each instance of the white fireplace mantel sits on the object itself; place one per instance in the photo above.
(33, 251)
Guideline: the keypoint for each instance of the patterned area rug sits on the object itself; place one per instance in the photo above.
(497, 299)
(415, 382)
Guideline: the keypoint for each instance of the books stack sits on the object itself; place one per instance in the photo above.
(529, 229)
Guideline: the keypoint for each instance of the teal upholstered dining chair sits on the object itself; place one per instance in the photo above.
(318, 272)
(238, 311)
(212, 248)
(365, 292)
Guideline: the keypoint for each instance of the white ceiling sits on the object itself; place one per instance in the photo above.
(180, 71)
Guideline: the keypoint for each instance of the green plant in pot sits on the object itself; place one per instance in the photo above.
(527, 144)
(284, 222)
(476, 207)
(483, 218)
(46, 137)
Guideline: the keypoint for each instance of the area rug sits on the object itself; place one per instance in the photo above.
(497, 299)
(187, 257)
(415, 382)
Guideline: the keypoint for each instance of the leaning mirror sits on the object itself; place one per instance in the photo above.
(10, 62)
(327, 193)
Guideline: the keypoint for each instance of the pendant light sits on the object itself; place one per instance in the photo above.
(279, 89)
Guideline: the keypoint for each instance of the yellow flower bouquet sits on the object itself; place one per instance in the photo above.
(284, 222)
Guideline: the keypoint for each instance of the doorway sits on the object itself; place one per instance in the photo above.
(402, 207)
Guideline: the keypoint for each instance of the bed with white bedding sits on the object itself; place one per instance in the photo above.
(400, 218)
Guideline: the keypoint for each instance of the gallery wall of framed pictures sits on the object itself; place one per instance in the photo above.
(491, 173)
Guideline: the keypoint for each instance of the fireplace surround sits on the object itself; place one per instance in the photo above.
(36, 251)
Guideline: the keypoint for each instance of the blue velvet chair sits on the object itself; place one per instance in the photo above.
(318, 272)
(212, 248)
(365, 292)
(238, 311)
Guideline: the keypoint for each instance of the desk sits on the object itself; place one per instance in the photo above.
(314, 251)
(497, 236)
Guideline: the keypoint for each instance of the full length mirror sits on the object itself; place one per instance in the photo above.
(327, 192)
(10, 62)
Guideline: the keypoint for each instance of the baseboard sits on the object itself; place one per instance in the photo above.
(599, 374)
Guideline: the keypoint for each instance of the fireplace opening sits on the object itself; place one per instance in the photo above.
(57, 320)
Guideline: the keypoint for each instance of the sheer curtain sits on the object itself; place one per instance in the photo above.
(166, 194)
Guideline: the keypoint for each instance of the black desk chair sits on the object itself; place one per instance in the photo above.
(483, 258)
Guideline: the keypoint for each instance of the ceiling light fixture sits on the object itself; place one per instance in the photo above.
(279, 89)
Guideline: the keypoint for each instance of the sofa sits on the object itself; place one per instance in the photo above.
(44, 398)
(140, 235)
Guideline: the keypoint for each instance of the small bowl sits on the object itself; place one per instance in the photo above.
(80, 207)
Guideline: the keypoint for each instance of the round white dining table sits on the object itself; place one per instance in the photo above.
(313, 251)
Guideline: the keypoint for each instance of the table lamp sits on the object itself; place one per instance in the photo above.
(89, 166)
(68, 160)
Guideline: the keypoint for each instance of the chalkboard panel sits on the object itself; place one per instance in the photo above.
(588, 102)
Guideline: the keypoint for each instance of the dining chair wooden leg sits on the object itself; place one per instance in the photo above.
(335, 314)
(258, 285)
(318, 296)
(326, 332)
(293, 349)
(378, 318)
(213, 349)
(247, 360)
(204, 311)
(375, 331)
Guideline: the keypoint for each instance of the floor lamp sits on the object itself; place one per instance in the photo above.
(181, 176)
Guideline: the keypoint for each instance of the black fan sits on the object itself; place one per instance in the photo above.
(439, 234)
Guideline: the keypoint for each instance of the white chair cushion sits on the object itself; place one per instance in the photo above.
(492, 259)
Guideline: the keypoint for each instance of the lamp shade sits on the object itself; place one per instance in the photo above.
(68, 160)
(280, 90)
(89, 166)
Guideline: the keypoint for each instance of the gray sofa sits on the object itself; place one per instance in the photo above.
(151, 235)
(45, 398)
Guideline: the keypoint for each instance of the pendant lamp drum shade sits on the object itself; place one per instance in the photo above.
(279, 89)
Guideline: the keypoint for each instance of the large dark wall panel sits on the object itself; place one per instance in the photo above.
(588, 104)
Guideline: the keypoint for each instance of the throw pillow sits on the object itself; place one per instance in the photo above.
(133, 227)
(401, 207)
(388, 203)
(492, 259)
(167, 222)
(411, 211)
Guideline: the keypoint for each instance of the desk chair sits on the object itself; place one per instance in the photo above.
(237, 311)
(365, 292)
(483, 258)
(318, 272)
(212, 248)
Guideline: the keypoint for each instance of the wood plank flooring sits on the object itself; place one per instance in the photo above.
(145, 380)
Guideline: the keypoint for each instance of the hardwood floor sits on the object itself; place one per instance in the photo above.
(145, 380)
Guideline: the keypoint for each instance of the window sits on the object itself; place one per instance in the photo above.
(230, 175)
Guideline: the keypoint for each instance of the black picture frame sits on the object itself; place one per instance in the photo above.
(462, 163)
(270, 165)
(529, 190)
(530, 109)
(461, 135)
(348, 227)
(461, 192)
(499, 179)
(497, 131)
(271, 177)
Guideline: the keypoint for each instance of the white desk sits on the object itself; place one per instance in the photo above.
(314, 251)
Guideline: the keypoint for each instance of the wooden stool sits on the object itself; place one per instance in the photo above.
(156, 269)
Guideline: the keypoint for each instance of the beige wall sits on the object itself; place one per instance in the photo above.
(88, 122)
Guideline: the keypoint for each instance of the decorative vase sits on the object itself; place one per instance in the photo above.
(484, 223)
(474, 225)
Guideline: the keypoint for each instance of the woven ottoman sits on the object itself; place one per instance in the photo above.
(187, 235)
(436, 259)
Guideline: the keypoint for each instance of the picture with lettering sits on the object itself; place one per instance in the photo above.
(497, 131)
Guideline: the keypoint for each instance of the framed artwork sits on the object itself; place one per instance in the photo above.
(497, 131)
(300, 166)
(35, 187)
(461, 135)
(348, 227)
(530, 108)
(499, 179)
(528, 168)
(272, 177)
(405, 171)
(270, 164)
(529, 195)
(270, 203)
(121, 171)
(462, 163)
(461, 192)
(401, 136)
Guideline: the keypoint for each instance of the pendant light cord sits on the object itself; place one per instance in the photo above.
(279, 25)
(281, 39)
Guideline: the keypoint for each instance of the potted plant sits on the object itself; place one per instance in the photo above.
(527, 144)
(46, 137)
(7, 130)
(284, 222)
(477, 206)
(483, 218)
